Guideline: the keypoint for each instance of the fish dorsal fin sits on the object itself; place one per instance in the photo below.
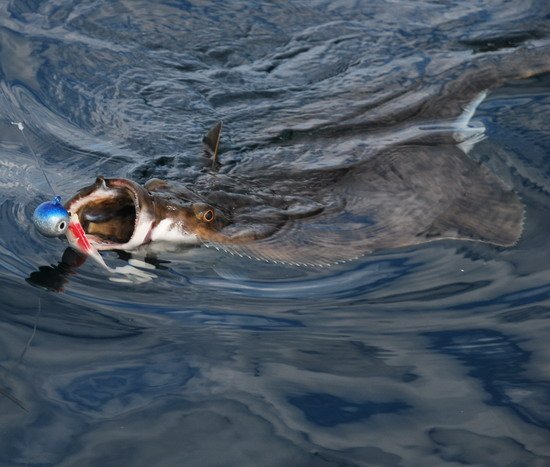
(211, 143)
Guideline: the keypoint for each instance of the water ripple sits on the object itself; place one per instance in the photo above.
(433, 355)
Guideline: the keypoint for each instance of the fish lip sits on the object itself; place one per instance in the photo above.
(143, 203)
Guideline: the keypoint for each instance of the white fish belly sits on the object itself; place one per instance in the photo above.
(173, 232)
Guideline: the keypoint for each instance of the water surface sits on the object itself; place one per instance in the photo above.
(432, 355)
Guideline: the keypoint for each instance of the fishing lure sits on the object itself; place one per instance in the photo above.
(51, 219)
(77, 239)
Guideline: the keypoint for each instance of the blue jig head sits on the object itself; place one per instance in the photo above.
(51, 218)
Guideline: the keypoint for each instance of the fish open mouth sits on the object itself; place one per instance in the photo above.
(114, 213)
(112, 220)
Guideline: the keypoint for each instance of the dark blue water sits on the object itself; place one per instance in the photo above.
(429, 355)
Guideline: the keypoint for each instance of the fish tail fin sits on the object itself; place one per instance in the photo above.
(485, 211)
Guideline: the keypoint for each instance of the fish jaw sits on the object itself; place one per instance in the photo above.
(106, 194)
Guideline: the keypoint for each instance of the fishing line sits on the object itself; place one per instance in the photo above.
(4, 391)
(20, 126)
(29, 341)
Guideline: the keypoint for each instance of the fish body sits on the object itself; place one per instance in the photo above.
(403, 194)
(404, 197)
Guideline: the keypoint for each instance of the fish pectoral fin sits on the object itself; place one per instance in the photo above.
(211, 143)
(485, 212)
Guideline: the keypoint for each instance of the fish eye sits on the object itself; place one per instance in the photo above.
(208, 215)
(203, 212)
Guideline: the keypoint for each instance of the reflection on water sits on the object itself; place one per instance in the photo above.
(431, 355)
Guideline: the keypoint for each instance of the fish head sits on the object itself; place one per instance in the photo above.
(119, 214)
